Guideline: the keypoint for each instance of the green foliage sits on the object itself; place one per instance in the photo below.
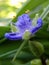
(3, 30)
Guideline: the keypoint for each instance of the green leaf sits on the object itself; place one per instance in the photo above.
(2, 40)
(8, 49)
(36, 48)
(19, 50)
(19, 62)
(9, 62)
(3, 30)
(45, 43)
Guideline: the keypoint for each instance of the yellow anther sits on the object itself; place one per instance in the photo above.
(27, 11)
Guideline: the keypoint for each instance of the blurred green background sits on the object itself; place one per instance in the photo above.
(9, 9)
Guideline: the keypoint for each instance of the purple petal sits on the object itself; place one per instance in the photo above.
(39, 22)
(13, 36)
(24, 17)
(38, 26)
(24, 22)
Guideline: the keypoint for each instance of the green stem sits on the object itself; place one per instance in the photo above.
(19, 49)
(45, 12)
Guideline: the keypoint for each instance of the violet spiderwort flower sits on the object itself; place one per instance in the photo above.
(25, 27)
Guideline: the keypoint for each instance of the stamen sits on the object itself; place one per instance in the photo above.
(13, 28)
(34, 22)
(27, 11)
(45, 12)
